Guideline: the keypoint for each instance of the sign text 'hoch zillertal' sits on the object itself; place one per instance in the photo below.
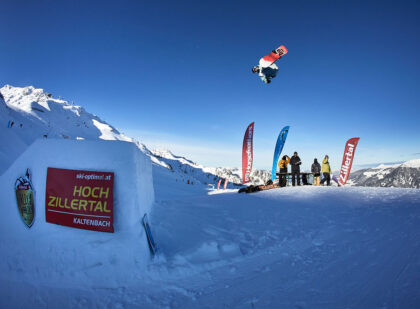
(80, 199)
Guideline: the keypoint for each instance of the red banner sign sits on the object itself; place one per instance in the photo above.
(80, 199)
(348, 159)
(247, 153)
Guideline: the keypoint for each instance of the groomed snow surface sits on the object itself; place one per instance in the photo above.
(294, 247)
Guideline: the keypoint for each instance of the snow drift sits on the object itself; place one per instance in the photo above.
(58, 255)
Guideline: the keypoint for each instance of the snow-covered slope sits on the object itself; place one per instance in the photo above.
(405, 175)
(28, 113)
(50, 117)
(188, 170)
(300, 247)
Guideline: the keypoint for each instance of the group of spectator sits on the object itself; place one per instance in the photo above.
(326, 172)
(295, 162)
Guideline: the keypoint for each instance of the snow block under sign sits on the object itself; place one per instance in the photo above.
(64, 253)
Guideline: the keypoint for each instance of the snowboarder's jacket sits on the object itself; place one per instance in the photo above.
(295, 162)
(268, 69)
(326, 166)
(316, 168)
(283, 164)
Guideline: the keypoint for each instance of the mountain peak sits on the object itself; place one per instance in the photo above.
(412, 163)
(33, 113)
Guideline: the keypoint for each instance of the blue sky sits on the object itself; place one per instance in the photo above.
(177, 74)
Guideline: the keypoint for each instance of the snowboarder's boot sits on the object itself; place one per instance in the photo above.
(282, 50)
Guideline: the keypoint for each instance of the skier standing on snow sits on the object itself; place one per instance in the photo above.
(316, 170)
(267, 69)
(295, 163)
(326, 171)
(283, 170)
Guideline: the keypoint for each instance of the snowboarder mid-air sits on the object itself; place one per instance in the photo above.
(267, 69)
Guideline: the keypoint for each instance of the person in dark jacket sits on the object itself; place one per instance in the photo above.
(295, 163)
(316, 170)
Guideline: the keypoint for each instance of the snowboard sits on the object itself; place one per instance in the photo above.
(272, 57)
(268, 187)
(252, 189)
(336, 180)
(150, 240)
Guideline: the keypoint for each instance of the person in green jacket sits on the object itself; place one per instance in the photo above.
(326, 171)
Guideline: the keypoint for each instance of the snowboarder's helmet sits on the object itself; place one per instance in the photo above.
(255, 69)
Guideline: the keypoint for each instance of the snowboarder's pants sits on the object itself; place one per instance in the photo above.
(297, 175)
(269, 72)
(326, 178)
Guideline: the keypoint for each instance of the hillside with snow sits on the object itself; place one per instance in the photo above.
(28, 113)
(205, 175)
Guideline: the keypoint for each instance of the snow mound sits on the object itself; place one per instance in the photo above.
(58, 255)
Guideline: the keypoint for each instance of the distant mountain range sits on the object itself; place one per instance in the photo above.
(29, 113)
(405, 175)
(205, 175)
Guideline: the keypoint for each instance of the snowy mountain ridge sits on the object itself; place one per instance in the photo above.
(54, 117)
(405, 175)
(412, 164)
(201, 174)
(30, 113)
